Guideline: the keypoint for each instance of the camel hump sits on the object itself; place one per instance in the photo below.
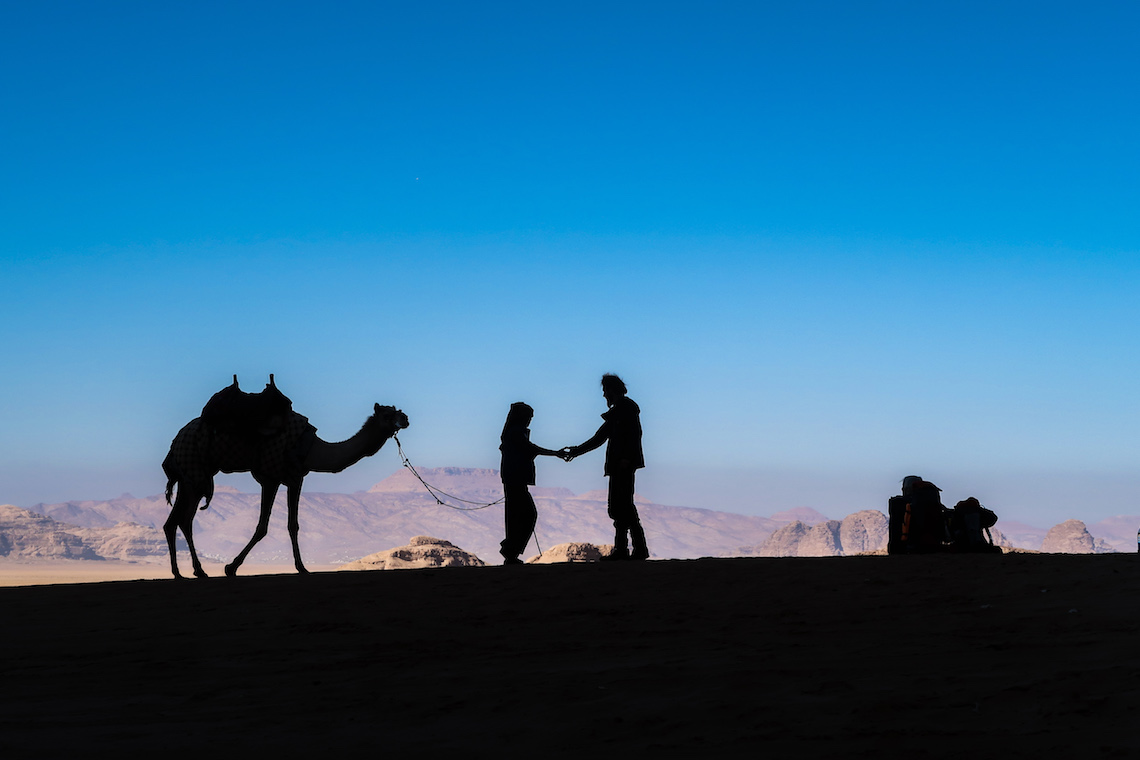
(247, 415)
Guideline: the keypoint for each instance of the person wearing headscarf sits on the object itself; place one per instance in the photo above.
(517, 471)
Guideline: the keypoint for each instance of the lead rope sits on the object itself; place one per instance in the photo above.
(436, 493)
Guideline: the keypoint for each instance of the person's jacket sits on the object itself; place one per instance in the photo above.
(622, 429)
(518, 456)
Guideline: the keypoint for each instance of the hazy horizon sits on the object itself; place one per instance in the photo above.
(757, 493)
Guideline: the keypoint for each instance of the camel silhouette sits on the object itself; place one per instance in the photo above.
(278, 449)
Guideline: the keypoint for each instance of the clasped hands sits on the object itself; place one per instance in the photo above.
(567, 453)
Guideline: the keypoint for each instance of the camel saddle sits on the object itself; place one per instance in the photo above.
(249, 416)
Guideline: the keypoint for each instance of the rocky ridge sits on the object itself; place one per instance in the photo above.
(340, 528)
(858, 533)
(27, 535)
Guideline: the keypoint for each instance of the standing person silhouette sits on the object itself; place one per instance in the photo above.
(624, 457)
(517, 472)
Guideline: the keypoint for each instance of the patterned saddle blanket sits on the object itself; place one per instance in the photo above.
(200, 451)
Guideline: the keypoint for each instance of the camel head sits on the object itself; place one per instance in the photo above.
(390, 417)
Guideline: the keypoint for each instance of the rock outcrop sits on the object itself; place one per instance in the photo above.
(27, 535)
(784, 542)
(863, 531)
(126, 541)
(822, 540)
(571, 552)
(1000, 539)
(421, 551)
(1072, 537)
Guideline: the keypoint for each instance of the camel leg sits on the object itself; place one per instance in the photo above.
(187, 526)
(293, 499)
(268, 494)
(182, 516)
(171, 529)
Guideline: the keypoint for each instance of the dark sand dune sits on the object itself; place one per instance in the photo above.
(924, 656)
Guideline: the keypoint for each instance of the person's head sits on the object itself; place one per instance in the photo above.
(520, 414)
(612, 388)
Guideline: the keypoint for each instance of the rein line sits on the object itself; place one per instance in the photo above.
(437, 493)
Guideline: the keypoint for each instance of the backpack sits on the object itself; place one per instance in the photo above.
(896, 513)
(969, 526)
(916, 524)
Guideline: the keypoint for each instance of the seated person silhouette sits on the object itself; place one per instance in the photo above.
(517, 472)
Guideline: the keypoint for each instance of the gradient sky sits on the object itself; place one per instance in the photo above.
(826, 244)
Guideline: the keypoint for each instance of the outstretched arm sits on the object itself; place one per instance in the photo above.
(595, 441)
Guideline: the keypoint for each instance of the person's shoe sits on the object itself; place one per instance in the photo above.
(512, 561)
(615, 557)
(639, 554)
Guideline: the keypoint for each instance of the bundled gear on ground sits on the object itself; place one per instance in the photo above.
(918, 523)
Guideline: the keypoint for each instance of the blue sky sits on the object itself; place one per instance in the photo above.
(827, 244)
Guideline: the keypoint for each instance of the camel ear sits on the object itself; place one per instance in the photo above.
(235, 381)
(271, 385)
(376, 409)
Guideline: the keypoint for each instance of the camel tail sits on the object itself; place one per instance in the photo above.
(170, 484)
(171, 477)
(174, 478)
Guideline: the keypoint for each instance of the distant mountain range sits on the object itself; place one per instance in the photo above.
(340, 528)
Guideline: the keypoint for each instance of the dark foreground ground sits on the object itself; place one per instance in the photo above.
(923, 656)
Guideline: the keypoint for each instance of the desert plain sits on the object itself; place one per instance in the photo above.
(936, 656)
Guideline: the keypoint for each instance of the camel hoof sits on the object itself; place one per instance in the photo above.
(301, 569)
(200, 574)
(231, 571)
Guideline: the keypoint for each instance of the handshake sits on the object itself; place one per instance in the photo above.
(567, 453)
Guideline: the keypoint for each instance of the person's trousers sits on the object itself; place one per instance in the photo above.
(521, 516)
(623, 512)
